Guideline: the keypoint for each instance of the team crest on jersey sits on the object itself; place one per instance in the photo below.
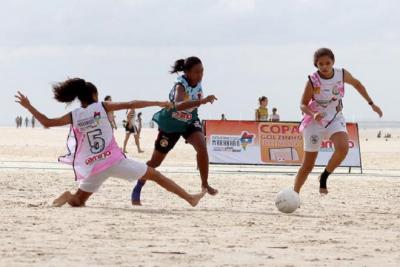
(335, 90)
(314, 139)
(97, 117)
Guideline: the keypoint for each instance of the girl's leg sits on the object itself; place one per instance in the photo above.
(197, 140)
(156, 159)
(341, 143)
(137, 142)
(75, 200)
(305, 169)
(126, 141)
(171, 186)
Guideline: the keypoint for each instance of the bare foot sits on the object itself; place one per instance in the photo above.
(136, 203)
(210, 190)
(141, 151)
(194, 200)
(61, 200)
(126, 152)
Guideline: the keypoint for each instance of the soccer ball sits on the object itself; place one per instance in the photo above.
(287, 200)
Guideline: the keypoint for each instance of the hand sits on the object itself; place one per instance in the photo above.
(209, 99)
(167, 105)
(318, 116)
(23, 100)
(377, 110)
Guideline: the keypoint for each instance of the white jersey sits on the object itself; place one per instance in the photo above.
(91, 143)
(327, 97)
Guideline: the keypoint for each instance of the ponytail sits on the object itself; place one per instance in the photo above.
(185, 64)
(178, 66)
(69, 90)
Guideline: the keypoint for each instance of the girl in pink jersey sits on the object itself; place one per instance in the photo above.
(321, 105)
(93, 152)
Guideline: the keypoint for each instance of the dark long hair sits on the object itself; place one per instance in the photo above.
(185, 64)
(67, 91)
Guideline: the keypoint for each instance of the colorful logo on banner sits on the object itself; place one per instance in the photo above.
(246, 139)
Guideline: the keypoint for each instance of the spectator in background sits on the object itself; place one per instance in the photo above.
(17, 121)
(26, 122)
(139, 123)
(130, 128)
(111, 116)
(274, 116)
(33, 121)
(223, 118)
(262, 111)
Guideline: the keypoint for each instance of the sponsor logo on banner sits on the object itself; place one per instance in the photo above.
(328, 146)
(271, 143)
(233, 143)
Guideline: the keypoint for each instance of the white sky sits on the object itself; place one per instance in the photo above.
(249, 48)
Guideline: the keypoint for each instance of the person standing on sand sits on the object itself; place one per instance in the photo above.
(139, 123)
(33, 121)
(130, 128)
(322, 106)
(183, 120)
(94, 154)
(274, 116)
(262, 110)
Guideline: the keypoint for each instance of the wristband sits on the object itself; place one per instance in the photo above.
(370, 103)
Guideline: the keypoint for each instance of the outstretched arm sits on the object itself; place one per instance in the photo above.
(136, 104)
(43, 119)
(180, 104)
(348, 78)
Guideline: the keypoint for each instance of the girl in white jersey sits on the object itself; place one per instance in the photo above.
(93, 152)
(322, 107)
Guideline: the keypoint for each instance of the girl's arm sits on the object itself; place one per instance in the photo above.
(348, 78)
(136, 104)
(305, 99)
(180, 104)
(43, 119)
(257, 117)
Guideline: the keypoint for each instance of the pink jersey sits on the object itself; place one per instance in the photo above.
(91, 144)
(327, 98)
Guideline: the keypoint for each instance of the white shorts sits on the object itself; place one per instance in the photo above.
(315, 133)
(126, 169)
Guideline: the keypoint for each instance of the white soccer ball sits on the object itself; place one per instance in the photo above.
(287, 200)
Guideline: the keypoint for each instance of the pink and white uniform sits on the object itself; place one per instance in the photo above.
(93, 151)
(91, 143)
(327, 99)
